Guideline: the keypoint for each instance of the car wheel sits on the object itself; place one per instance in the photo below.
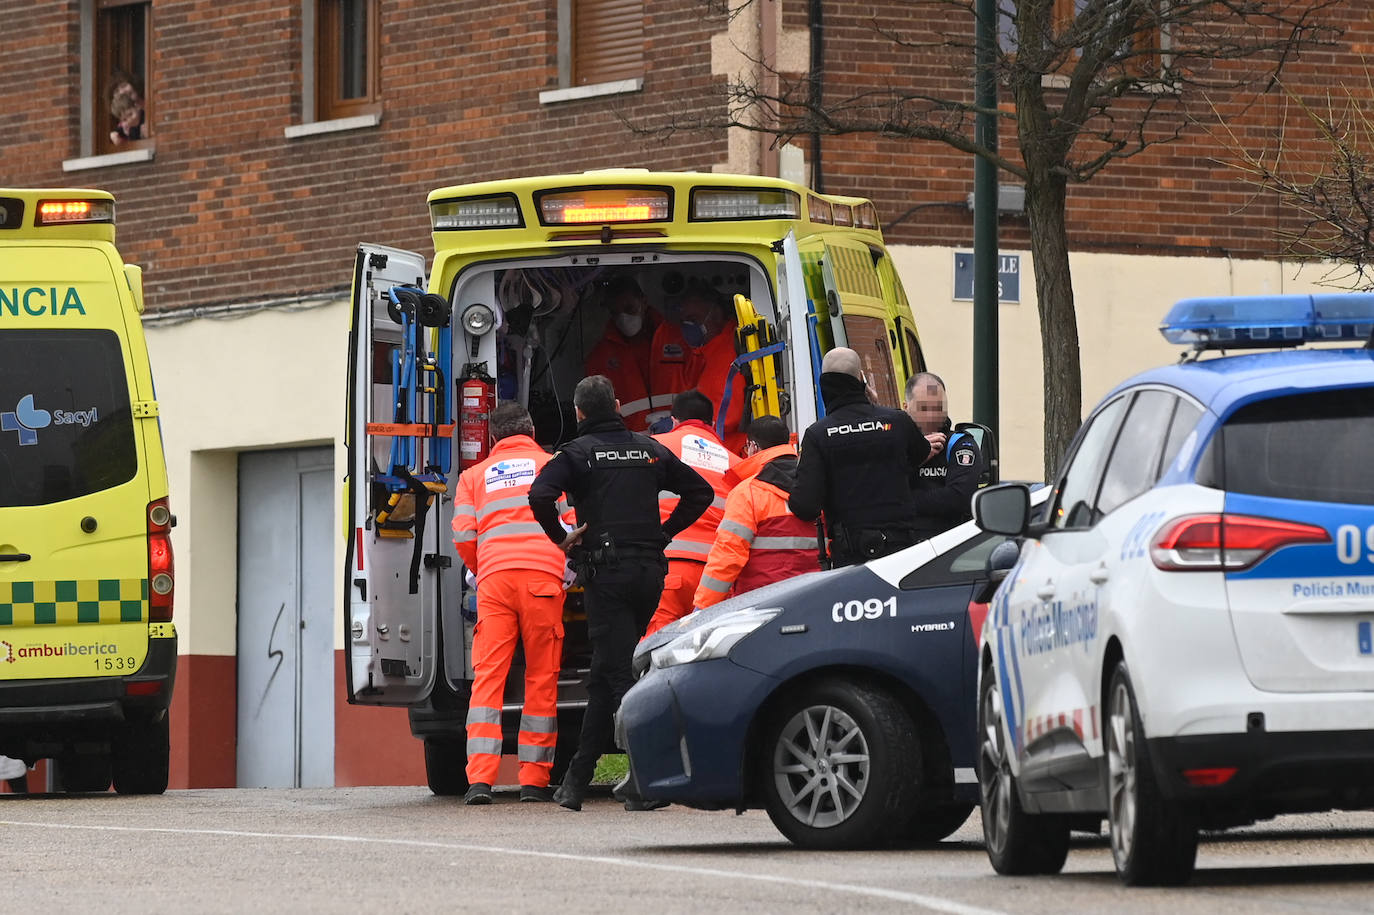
(446, 761)
(839, 763)
(1017, 842)
(84, 772)
(141, 750)
(1154, 841)
(931, 824)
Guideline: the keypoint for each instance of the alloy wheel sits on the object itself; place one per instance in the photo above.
(1121, 772)
(821, 766)
(994, 771)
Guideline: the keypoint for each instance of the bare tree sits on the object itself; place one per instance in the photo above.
(1092, 81)
(1331, 188)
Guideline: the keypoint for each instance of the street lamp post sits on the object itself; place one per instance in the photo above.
(985, 389)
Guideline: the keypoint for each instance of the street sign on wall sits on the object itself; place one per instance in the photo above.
(1008, 277)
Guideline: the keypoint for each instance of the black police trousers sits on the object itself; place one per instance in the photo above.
(619, 600)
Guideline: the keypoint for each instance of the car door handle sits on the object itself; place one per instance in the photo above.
(15, 557)
(1099, 575)
(1046, 591)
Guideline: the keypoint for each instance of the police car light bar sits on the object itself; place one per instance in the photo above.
(1269, 321)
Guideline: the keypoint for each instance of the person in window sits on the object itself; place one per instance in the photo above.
(126, 107)
(622, 354)
(945, 484)
(696, 352)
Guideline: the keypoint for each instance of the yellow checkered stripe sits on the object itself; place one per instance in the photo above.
(854, 273)
(64, 603)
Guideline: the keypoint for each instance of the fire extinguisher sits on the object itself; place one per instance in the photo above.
(476, 400)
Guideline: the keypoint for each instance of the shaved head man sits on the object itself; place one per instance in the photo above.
(856, 467)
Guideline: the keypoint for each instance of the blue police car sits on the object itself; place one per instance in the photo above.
(1185, 640)
(839, 701)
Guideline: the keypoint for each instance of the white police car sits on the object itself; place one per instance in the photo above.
(1185, 643)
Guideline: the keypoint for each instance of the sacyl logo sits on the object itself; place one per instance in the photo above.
(26, 420)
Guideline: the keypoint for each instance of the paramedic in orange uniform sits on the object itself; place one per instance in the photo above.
(519, 597)
(759, 540)
(694, 441)
(622, 355)
(707, 327)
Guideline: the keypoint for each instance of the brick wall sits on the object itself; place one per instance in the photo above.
(231, 210)
(1170, 199)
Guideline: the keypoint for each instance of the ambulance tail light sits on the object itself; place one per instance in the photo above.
(161, 574)
(73, 212)
(711, 204)
(1226, 543)
(498, 211)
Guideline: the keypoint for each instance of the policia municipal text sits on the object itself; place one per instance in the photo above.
(613, 477)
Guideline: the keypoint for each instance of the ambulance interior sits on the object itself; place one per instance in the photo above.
(548, 316)
(527, 327)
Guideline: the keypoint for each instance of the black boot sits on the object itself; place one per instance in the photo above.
(570, 794)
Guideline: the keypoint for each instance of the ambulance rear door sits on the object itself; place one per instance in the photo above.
(392, 590)
(803, 366)
(859, 314)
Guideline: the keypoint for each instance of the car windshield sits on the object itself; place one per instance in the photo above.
(66, 429)
(1314, 447)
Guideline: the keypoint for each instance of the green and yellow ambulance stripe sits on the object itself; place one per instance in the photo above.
(62, 603)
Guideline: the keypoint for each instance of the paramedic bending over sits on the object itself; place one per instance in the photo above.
(622, 355)
(696, 352)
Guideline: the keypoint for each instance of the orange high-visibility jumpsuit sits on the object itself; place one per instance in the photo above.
(696, 444)
(759, 540)
(626, 363)
(668, 355)
(519, 596)
(707, 370)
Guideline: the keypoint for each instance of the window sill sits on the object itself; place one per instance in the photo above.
(573, 93)
(336, 125)
(124, 157)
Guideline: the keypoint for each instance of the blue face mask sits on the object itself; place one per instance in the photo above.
(693, 333)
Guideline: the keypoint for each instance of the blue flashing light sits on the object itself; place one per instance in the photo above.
(1269, 321)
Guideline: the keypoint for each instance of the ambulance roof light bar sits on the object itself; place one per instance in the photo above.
(1269, 321)
(66, 212)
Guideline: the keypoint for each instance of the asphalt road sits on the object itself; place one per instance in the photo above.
(398, 850)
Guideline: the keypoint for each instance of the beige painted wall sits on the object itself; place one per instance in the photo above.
(269, 379)
(1120, 300)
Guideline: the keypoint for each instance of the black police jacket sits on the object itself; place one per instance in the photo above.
(857, 464)
(944, 487)
(613, 477)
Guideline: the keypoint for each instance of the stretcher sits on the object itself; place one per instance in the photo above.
(757, 347)
(422, 424)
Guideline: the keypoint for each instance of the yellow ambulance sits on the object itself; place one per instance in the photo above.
(514, 304)
(87, 644)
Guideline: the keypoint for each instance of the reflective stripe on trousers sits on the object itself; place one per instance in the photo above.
(526, 607)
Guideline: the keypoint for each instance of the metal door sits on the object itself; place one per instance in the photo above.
(285, 619)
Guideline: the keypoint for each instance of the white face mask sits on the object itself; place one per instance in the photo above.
(629, 324)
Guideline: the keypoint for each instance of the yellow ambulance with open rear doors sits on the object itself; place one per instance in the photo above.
(87, 645)
(510, 309)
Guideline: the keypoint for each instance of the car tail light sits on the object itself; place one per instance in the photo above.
(1209, 778)
(161, 575)
(143, 688)
(1221, 542)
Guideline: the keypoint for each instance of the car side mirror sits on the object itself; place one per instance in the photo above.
(1003, 509)
(999, 565)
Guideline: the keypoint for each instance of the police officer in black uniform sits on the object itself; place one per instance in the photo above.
(613, 477)
(945, 484)
(857, 466)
